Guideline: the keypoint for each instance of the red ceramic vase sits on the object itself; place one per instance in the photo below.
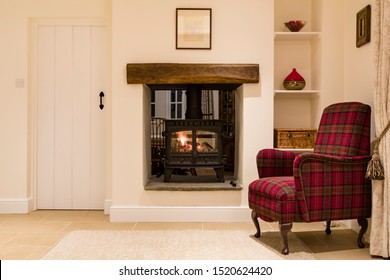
(294, 81)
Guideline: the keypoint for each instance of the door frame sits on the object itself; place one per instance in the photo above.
(32, 101)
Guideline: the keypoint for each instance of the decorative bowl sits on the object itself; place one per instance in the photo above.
(295, 25)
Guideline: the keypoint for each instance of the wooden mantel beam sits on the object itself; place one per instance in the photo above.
(179, 73)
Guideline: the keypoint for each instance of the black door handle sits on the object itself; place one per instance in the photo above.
(101, 95)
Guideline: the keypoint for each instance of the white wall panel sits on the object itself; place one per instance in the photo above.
(81, 116)
(63, 130)
(98, 125)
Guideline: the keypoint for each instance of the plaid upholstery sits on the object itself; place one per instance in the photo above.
(344, 130)
(274, 199)
(326, 185)
(272, 163)
(332, 187)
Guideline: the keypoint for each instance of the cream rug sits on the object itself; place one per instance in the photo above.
(175, 245)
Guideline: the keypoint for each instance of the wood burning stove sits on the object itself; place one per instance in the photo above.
(194, 143)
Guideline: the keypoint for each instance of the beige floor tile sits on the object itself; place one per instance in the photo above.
(35, 216)
(77, 225)
(168, 226)
(77, 216)
(15, 252)
(38, 253)
(36, 239)
(32, 226)
(7, 236)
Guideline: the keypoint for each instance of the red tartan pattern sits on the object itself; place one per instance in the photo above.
(333, 188)
(344, 130)
(326, 185)
(271, 162)
(274, 199)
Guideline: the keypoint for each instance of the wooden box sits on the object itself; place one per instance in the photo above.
(294, 138)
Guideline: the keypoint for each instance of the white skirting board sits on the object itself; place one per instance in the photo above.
(179, 214)
(25, 206)
(16, 206)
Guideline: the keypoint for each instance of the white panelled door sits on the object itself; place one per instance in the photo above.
(71, 128)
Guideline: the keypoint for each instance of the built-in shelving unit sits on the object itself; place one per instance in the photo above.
(300, 50)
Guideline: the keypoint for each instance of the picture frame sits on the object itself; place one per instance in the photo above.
(193, 28)
(363, 26)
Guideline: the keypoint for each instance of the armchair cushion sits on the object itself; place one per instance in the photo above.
(275, 199)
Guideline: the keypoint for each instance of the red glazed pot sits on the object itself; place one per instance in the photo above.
(294, 81)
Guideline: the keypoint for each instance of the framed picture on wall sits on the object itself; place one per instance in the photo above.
(363, 26)
(193, 28)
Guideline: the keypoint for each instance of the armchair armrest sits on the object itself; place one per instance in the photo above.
(273, 162)
(332, 187)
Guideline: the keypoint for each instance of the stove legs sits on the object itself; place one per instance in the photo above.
(167, 174)
(220, 174)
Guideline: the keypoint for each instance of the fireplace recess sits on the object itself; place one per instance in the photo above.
(193, 142)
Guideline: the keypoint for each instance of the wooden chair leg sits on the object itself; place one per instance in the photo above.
(363, 228)
(328, 230)
(284, 230)
(256, 222)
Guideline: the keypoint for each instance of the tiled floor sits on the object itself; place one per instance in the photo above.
(30, 236)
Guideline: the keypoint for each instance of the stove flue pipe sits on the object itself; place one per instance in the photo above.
(194, 102)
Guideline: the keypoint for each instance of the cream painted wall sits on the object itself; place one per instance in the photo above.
(238, 36)
(350, 69)
(332, 55)
(15, 191)
(359, 71)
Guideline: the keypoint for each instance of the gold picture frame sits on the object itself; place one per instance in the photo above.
(363, 26)
(193, 28)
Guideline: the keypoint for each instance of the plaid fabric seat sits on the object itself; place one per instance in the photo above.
(275, 199)
(326, 185)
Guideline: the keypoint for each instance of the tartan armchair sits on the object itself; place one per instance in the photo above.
(326, 185)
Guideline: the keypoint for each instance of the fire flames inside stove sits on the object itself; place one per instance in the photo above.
(206, 142)
(193, 144)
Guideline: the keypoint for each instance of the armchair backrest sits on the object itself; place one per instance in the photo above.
(344, 130)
